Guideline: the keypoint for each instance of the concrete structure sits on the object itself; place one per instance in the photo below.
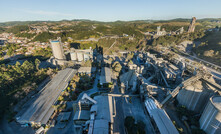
(87, 70)
(39, 109)
(58, 53)
(82, 110)
(57, 49)
(102, 115)
(105, 77)
(192, 25)
(159, 32)
(195, 96)
(80, 117)
(81, 55)
(129, 78)
(64, 116)
(210, 121)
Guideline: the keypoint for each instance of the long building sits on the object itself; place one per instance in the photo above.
(160, 117)
(39, 109)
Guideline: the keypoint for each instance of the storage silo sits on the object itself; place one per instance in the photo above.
(73, 56)
(80, 56)
(57, 49)
(210, 120)
(86, 57)
(194, 97)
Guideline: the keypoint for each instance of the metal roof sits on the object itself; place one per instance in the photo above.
(105, 75)
(163, 122)
(82, 115)
(101, 127)
(86, 69)
(39, 109)
(160, 117)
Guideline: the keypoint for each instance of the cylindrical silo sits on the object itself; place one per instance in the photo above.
(86, 57)
(80, 56)
(194, 97)
(210, 120)
(57, 49)
(73, 56)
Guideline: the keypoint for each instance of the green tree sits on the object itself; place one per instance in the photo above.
(37, 63)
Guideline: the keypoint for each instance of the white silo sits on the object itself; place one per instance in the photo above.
(86, 57)
(80, 56)
(57, 49)
(210, 120)
(73, 56)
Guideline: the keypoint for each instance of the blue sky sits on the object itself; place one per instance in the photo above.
(107, 10)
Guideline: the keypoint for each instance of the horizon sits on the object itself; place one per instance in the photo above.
(107, 11)
(108, 21)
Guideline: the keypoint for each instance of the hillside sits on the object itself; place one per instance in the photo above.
(210, 47)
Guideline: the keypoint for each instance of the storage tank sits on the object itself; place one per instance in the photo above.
(80, 56)
(210, 120)
(194, 97)
(57, 49)
(86, 57)
(73, 56)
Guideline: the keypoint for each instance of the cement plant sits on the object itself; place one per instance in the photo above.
(121, 77)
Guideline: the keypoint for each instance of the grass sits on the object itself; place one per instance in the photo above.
(212, 42)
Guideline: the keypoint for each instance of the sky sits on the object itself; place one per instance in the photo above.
(107, 10)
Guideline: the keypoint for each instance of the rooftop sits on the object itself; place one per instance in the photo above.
(101, 127)
(39, 108)
(105, 75)
(216, 100)
(86, 69)
(82, 115)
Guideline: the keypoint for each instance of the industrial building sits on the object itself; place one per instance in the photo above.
(160, 117)
(105, 77)
(102, 114)
(210, 120)
(39, 109)
(82, 110)
(129, 79)
(87, 70)
(96, 114)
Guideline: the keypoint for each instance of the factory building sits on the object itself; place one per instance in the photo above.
(210, 121)
(95, 114)
(195, 96)
(105, 77)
